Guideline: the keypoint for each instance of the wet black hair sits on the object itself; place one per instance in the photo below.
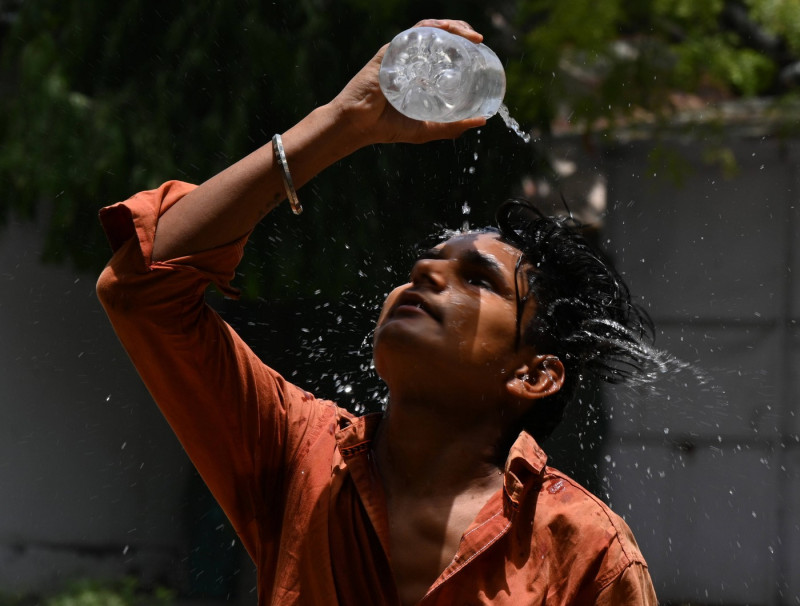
(585, 314)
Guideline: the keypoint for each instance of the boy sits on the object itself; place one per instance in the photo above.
(446, 497)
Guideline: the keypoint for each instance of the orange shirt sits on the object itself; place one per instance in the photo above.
(296, 475)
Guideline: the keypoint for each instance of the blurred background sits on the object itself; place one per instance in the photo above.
(670, 127)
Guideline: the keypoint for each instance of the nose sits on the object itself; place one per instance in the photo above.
(430, 273)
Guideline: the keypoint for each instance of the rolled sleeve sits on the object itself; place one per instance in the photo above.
(137, 219)
(238, 420)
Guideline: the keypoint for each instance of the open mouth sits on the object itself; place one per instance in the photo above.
(411, 303)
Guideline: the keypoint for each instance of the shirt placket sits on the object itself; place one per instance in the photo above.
(475, 541)
(364, 473)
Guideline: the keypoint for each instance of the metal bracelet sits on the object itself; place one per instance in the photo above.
(280, 156)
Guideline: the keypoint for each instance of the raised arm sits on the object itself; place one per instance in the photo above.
(229, 410)
(230, 204)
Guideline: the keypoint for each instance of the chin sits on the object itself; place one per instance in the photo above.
(403, 358)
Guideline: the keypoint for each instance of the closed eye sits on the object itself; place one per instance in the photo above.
(476, 268)
(480, 282)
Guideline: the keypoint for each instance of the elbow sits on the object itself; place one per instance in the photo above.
(119, 285)
(111, 291)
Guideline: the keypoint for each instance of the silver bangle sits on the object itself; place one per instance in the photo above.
(280, 156)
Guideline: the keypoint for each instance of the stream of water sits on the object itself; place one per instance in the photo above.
(512, 124)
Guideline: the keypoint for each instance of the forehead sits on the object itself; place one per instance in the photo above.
(487, 243)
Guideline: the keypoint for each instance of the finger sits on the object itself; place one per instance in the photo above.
(452, 130)
(379, 55)
(460, 28)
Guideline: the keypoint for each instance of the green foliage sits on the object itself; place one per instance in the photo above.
(688, 12)
(90, 592)
(123, 593)
(779, 17)
(586, 63)
(111, 98)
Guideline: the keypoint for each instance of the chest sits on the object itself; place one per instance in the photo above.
(424, 536)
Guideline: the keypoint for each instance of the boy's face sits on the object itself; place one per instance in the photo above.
(457, 317)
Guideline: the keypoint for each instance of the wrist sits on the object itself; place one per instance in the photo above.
(350, 125)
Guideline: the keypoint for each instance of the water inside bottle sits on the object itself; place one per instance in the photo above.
(430, 74)
(428, 83)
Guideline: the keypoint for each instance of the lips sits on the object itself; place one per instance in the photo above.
(411, 302)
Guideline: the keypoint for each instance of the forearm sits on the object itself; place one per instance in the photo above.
(230, 204)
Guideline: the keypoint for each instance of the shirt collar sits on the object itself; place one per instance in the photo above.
(355, 434)
(525, 463)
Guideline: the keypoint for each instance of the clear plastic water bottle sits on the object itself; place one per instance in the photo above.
(430, 74)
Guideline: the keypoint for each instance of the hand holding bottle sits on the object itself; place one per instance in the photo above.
(231, 203)
(374, 119)
(430, 74)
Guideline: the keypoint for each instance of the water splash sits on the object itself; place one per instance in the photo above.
(649, 371)
(512, 124)
(655, 364)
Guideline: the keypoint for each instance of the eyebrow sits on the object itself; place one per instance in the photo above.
(473, 258)
(484, 261)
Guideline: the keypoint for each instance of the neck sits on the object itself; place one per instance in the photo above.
(428, 447)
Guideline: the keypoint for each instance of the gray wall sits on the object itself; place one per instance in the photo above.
(92, 481)
(707, 469)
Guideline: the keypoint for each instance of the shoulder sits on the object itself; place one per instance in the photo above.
(586, 537)
(570, 506)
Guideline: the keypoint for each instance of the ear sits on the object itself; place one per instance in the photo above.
(543, 377)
